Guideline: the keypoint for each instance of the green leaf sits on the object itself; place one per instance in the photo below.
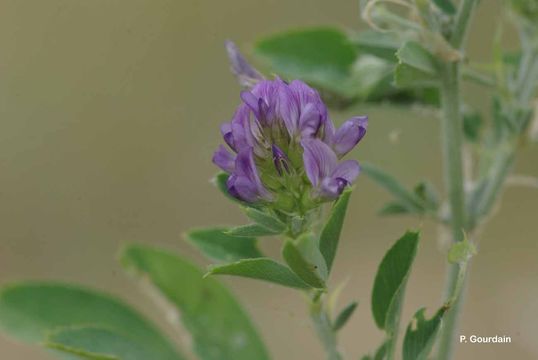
(416, 67)
(250, 230)
(330, 234)
(446, 5)
(308, 246)
(96, 343)
(420, 335)
(266, 220)
(321, 56)
(426, 192)
(381, 44)
(391, 279)
(394, 208)
(261, 269)
(413, 54)
(461, 251)
(405, 198)
(406, 76)
(344, 316)
(374, 78)
(472, 125)
(30, 310)
(380, 353)
(305, 270)
(219, 245)
(219, 326)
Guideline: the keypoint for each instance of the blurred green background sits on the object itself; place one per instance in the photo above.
(109, 113)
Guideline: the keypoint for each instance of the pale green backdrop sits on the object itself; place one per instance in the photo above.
(109, 113)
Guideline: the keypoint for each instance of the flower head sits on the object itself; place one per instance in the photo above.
(283, 149)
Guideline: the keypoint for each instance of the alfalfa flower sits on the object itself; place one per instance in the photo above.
(282, 148)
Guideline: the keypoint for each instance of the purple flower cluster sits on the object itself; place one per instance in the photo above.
(284, 148)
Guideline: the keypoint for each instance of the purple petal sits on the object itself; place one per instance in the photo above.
(305, 94)
(241, 131)
(223, 159)
(349, 134)
(252, 102)
(242, 188)
(289, 110)
(310, 114)
(227, 135)
(343, 175)
(328, 131)
(319, 160)
(310, 121)
(245, 180)
(331, 188)
(247, 75)
(347, 170)
(280, 159)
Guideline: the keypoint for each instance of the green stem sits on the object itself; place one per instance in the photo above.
(448, 332)
(453, 169)
(458, 285)
(468, 73)
(494, 181)
(462, 22)
(451, 127)
(324, 328)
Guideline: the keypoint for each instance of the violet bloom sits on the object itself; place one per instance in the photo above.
(282, 148)
(245, 73)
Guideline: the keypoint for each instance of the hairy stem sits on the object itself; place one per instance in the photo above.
(451, 127)
(504, 156)
(324, 328)
(453, 169)
(462, 22)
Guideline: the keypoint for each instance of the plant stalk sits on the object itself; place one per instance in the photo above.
(451, 125)
(324, 328)
(453, 171)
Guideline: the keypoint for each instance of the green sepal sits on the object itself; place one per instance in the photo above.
(266, 220)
